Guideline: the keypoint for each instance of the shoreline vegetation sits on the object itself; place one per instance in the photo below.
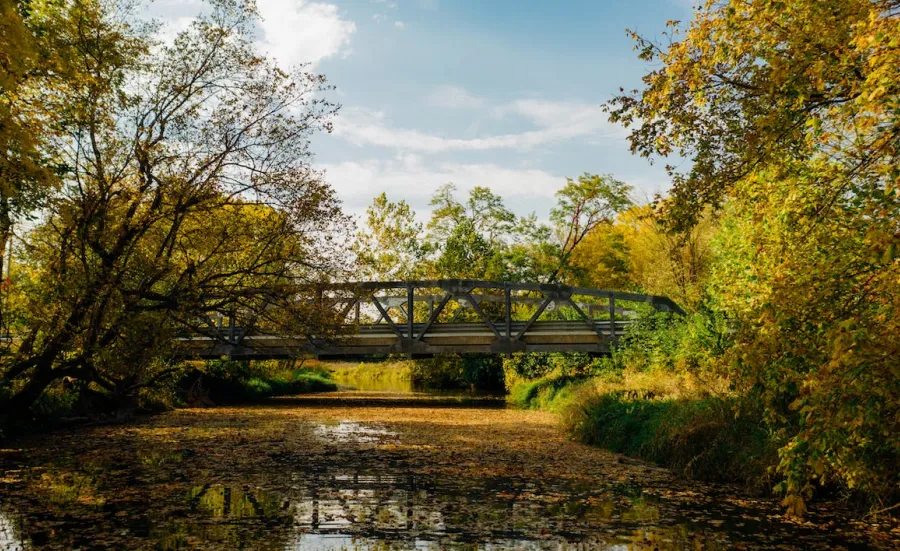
(194, 384)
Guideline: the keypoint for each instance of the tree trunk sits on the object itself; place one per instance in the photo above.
(5, 236)
(19, 405)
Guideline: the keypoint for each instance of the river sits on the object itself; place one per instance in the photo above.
(373, 469)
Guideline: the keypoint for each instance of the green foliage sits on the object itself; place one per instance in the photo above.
(58, 401)
(550, 392)
(467, 254)
(707, 439)
(229, 381)
(675, 344)
(391, 247)
(582, 206)
(536, 365)
(480, 238)
(453, 371)
(792, 129)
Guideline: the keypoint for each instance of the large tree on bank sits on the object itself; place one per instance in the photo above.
(187, 190)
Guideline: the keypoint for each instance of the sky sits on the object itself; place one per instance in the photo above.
(505, 94)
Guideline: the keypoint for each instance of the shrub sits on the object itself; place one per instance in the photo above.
(548, 392)
(229, 381)
(715, 439)
(452, 371)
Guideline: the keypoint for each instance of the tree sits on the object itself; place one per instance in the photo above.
(467, 254)
(474, 239)
(392, 246)
(35, 70)
(752, 82)
(665, 262)
(788, 112)
(484, 209)
(581, 206)
(603, 260)
(187, 191)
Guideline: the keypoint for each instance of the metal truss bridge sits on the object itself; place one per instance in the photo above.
(423, 318)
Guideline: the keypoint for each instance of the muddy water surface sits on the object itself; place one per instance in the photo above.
(373, 470)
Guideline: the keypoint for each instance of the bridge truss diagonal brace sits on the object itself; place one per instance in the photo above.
(548, 298)
(346, 309)
(586, 318)
(480, 312)
(434, 316)
(385, 315)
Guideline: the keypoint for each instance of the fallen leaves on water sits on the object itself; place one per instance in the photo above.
(366, 470)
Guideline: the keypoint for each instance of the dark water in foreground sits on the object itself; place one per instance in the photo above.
(371, 471)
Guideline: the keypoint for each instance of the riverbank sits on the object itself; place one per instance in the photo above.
(374, 470)
(669, 419)
(192, 384)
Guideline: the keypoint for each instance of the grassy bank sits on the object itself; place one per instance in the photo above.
(450, 372)
(385, 375)
(674, 421)
(230, 382)
(190, 384)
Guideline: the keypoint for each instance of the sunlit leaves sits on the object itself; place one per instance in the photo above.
(788, 112)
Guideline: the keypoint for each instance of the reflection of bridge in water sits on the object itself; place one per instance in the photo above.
(445, 316)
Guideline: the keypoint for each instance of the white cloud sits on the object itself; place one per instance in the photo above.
(454, 97)
(172, 27)
(408, 178)
(400, 24)
(578, 117)
(554, 122)
(298, 31)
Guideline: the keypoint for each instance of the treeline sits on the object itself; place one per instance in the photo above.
(596, 236)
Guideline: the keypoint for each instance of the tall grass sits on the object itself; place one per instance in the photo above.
(657, 397)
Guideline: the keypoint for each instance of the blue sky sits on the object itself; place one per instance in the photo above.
(498, 93)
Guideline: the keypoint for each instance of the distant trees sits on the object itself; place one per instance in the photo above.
(482, 239)
(583, 205)
(391, 245)
(185, 189)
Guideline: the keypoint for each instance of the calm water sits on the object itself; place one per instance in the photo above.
(370, 470)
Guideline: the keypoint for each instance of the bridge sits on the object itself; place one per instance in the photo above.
(423, 318)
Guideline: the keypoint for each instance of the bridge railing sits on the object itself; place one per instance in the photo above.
(456, 315)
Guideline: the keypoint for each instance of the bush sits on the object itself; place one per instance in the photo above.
(230, 382)
(452, 371)
(549, 392)
(714, 439)
(676, 344)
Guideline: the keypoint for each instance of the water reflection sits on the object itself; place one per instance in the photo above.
(378, 381)
(270, 478)
(346, 432)
(372, 511)
(9, 538)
